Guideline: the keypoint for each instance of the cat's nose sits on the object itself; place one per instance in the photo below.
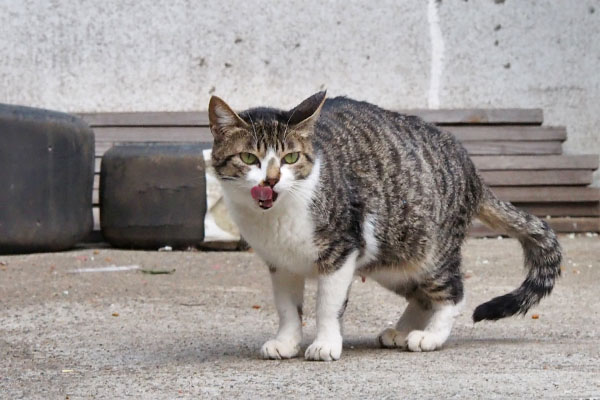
(272, 181)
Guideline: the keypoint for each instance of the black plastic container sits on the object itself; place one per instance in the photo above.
(153, 195)
(46, 179)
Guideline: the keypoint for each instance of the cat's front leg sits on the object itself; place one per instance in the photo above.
(288, 289)
(332, 297)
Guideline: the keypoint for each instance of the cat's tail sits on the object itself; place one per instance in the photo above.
(542, 258)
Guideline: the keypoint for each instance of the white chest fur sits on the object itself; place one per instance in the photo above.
(283, 236)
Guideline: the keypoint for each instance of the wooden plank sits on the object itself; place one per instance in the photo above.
(547, 194)
(586, 209)
(159, 118)
(153, 134)
(565, 225)
(478, 229)
(522, 196)
(481, 116)
(102, 147)
(200, 118)
(495, 163)
(513, 148)
(474, 148)
(559, 225)
(463, 133)
(539, 162)
(538, 178)
(507, 133)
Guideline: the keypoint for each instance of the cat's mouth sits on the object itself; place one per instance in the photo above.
(264, 195)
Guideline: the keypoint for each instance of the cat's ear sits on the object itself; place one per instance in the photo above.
(222, 119)
(304, 116)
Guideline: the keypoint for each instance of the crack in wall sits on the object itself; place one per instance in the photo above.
(437, 54)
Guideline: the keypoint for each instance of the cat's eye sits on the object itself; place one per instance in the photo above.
(291, 158)
(249, 158)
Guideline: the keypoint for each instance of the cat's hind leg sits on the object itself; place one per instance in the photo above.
(415, 317)
(288, 289)
(443, 295)
(437, 330)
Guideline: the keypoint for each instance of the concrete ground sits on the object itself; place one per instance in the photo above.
(196, 333)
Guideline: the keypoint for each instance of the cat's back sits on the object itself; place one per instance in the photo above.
(364, 140)
(407, 175)
(386, 150)
(345, 120)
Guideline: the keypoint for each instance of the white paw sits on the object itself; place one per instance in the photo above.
(390, 338)
(321, 350)
(278, 349)
(423, 341)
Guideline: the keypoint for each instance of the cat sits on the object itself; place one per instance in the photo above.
(336, 188)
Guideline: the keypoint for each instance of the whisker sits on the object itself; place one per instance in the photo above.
(298, 193)
(254, 130)
(287, 125)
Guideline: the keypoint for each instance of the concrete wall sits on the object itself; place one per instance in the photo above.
(133, 55)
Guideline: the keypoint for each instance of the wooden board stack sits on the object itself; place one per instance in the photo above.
(518, 157)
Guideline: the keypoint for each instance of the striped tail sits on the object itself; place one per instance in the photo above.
(542, 258)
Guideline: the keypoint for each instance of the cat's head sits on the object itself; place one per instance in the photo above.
(263, 154)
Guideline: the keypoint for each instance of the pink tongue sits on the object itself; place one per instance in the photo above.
(261, 193)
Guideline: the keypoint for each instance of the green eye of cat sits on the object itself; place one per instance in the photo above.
(291, 158)
(249, 158)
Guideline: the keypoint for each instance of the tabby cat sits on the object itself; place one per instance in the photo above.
(336, 188)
